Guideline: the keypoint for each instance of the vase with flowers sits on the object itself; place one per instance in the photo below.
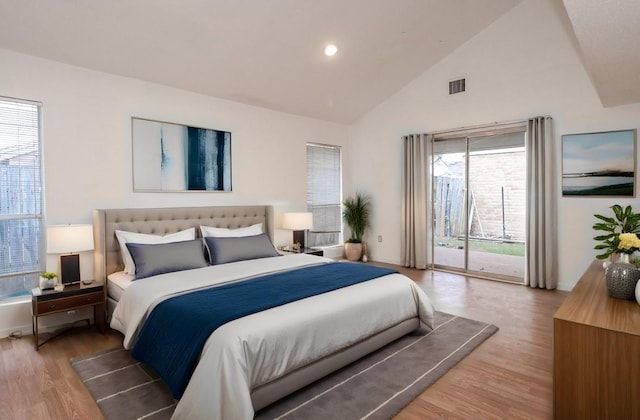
(622, 276)
(623, 221)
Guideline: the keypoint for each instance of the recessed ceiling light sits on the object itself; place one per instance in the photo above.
(330, 50)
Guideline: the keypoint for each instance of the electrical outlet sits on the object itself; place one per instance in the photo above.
(15, 334)
(379, 238)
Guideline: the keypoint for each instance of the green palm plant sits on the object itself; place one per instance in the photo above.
(355, 213)
(624, 221)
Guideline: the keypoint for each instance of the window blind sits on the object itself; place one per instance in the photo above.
(21, 215)
(324, 194)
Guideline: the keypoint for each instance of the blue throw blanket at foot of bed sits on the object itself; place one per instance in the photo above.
(172, 338)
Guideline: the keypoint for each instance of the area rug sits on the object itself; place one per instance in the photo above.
(377, 386)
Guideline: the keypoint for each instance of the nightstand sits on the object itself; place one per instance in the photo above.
(75, 296)
(312, 251)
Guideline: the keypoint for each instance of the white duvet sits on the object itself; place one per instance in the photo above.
(254, 350)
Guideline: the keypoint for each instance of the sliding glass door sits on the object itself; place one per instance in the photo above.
(479, 186)
(449, 203)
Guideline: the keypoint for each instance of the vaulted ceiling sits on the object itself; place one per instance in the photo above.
(269, 53)
(608, 33)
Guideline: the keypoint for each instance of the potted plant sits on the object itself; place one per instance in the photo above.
(48, 280)
(624, 221)
(355, 213)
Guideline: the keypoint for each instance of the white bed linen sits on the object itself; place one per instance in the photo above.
(142, 294)
(254, 350)
(118, 281)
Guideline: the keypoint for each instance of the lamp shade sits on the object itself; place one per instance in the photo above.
(69, 238)
(297, 221)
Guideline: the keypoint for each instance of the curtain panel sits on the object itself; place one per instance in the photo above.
(541, 245)
(415, 205)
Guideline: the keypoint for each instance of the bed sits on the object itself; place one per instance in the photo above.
(250, 362)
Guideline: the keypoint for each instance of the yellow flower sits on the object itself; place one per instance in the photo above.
(629, 242)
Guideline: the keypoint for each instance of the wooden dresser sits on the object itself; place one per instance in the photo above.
(596, 349)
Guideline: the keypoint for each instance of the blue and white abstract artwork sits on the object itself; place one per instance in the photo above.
(599, 164)
(174, 157)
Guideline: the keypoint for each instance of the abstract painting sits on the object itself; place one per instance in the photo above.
(599, 164)
(174, 157)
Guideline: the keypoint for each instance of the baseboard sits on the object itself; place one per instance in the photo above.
(23, 329)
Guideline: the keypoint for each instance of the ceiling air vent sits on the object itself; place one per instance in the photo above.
(457, 86)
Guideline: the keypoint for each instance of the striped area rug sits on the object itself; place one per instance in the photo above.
(377, 386)
(123, 387)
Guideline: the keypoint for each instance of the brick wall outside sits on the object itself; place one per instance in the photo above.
(488, 173)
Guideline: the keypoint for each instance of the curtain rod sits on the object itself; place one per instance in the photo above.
(483, 126)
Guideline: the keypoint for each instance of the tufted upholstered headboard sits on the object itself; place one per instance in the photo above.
(160, 221)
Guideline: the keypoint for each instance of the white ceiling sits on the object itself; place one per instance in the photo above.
(608, 32)
(267, 53)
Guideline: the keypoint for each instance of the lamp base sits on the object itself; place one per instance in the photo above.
(298, 238)
(70, 268)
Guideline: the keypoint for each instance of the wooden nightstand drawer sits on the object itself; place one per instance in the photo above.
(71, 302)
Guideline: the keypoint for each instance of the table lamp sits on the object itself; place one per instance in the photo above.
(69, 240)
(298, 222)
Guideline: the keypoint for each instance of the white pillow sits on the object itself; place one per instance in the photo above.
(231, 233)
(143, 238)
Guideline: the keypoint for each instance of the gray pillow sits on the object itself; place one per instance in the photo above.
(226, 250)
(152, 259)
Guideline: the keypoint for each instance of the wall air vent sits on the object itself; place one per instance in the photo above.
(457, 86)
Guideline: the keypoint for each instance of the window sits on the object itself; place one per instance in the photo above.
(324, 194)
(21, 218)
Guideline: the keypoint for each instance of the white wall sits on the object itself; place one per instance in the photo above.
(87, 147)
(523, 65)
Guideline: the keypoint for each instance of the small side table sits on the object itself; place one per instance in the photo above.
(312, 251)
(75, 296)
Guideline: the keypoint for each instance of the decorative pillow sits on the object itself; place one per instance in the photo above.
(144, 238)
(231, 233)
(152, 259)
(226, 250)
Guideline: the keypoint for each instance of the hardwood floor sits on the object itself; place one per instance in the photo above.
(42, 384)
(508, 376)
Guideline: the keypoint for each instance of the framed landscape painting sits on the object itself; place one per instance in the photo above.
(174, 157)
(599, 164)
